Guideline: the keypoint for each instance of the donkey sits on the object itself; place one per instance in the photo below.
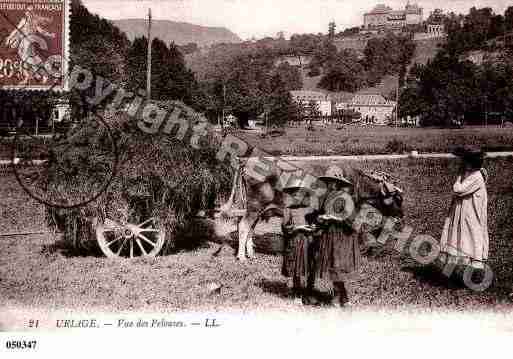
(253, 200)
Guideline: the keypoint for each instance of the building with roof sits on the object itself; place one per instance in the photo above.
(383, 16)
(295, 61)
(322, 100)
(373, 107)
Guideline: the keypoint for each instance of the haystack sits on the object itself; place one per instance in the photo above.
(157, 176)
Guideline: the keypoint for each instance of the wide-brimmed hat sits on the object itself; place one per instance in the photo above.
(469, 151)
(335, 174)
(471, 154)
(296, 184)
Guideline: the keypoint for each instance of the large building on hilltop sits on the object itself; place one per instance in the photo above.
(383, 16)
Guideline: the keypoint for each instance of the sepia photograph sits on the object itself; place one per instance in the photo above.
(261, 167)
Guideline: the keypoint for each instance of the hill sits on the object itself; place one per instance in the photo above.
(426, 50)
(180, 32)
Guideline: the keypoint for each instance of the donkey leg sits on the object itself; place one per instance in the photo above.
(250, 247)
(244, 229)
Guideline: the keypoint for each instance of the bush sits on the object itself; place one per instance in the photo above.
(314, 71)
(396, 146)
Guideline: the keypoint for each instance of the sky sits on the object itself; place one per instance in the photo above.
(259, 18)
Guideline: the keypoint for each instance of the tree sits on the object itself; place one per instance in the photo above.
(189, 48)
(324, 55)
(304, 44)
(290, 76)
(170, 78)
(313, 108)
(380, 60)
(99, 47)
(344, 74)
(508, 19)
(331, 30)
(282, 108)
(350, 31)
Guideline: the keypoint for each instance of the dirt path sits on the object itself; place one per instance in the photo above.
(353, 158)
(384, 157)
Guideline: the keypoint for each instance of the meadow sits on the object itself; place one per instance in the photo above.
(40, 271)
(356, 140)
(342, 140)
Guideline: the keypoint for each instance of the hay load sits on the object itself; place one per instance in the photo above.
(159, 185)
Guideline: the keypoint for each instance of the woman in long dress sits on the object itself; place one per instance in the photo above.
(465, 238)
(297, 234)
(337, 254)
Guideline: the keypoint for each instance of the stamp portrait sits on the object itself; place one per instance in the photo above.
(34, 44)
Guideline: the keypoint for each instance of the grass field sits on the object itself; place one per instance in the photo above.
(346, 140)
(335, 140)
(38, 271)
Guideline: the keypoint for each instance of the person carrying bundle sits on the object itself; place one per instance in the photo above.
(298, 239)
(337, 250)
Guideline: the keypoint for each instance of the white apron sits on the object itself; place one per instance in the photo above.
(465, 234)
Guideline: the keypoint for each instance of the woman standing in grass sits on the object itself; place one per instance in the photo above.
(297, 234)
(338, 253)
(465, 235)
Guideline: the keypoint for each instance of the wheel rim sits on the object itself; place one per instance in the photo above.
(130, 240)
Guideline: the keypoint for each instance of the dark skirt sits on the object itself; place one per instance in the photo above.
(297, 262)
(339, 255)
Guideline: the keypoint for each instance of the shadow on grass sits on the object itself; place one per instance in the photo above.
(280, 289)
(434, 277)
(91, 249)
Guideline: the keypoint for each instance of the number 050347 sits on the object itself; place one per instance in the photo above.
(20, 344)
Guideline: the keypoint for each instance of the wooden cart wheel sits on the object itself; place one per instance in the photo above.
(130, 240)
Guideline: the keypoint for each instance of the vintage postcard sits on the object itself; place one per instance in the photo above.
(35, 44)
(288, 173)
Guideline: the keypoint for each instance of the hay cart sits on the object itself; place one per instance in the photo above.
(129, 240)
(142, 236)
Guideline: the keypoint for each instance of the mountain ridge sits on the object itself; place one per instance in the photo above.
(180, 33)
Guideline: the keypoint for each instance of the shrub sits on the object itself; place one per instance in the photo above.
(396, 146)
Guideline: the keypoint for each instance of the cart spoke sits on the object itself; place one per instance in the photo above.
(129, 240)
(121, 247)
(113, 241)
(145, 222)
(144, 238)
(140, 246)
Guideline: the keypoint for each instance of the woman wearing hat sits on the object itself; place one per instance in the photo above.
(297, 233)
(338, 254)
(465, 234)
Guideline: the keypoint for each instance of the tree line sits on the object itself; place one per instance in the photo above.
(453, 90)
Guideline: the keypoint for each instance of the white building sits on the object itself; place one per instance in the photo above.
(374, 108)
(305, 97)
(383, 16)
(61, 111)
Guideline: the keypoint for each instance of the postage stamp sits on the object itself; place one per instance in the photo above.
(34, 44)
